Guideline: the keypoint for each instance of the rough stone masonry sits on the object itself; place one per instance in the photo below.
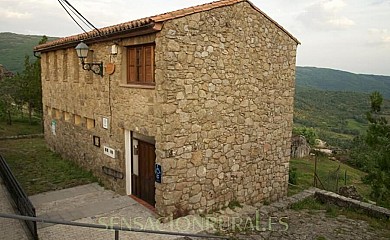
(220, 112)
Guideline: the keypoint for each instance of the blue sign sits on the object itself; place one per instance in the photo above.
(158, 173)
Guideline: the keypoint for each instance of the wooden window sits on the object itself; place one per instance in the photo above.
(140, 64)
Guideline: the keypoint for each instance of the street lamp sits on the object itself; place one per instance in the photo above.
(82, 52)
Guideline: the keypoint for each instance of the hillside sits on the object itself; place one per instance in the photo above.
(335, 102)
(336, 116)
(336, 80)
(13, 48)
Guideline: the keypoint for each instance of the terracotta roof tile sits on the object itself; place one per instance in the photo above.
(131, 25)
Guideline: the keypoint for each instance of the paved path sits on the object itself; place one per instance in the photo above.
(92, 204)
(278, 221)
(10, 229)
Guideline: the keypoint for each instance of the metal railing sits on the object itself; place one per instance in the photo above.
(117, 229)
(22, 202)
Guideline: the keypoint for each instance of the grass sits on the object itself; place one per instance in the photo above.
(20, 127)
(353, 124)
(331, 210)
(305, 169)
(40, 170)
(233, 204)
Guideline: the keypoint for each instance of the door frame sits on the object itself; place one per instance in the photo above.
(128, 161)
(129, 136)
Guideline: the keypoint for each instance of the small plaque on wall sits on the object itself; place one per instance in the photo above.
(105, 122)
(53, 127)
(158, 173)
(96, 141)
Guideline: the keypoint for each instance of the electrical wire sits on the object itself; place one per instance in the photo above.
(66, 10)
(79, 14)
(79, 17)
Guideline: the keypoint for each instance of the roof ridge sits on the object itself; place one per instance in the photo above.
(144, 22)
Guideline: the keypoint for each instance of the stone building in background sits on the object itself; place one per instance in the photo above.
(4, 73)
(299, 147)
(194, 108)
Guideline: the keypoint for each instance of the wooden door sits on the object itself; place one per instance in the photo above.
(143, 184)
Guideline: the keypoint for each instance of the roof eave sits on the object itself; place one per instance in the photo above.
(133, 32)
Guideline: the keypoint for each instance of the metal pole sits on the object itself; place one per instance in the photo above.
(345, 178)
(337, 180)
(107, 227)
(116, 234)
(315, 170)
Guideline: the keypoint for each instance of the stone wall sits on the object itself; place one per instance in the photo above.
(70, 92)
(221, 110)
(345, 202)
(225, 88)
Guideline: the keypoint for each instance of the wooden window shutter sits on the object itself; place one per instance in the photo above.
(131, 63)
(149, 64)
(140, 65)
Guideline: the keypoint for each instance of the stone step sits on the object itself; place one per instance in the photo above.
(46, 197)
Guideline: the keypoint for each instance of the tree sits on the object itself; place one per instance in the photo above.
(309, 133)
(27, 86)
(7, 103)
(373, 152)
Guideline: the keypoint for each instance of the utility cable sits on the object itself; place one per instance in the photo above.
(71, 16)
(79, 17)
(78, 13)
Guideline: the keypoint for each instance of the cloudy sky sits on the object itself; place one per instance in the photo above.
(351, 35)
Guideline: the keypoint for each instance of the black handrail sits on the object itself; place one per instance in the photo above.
(117, 229)
(22, 202)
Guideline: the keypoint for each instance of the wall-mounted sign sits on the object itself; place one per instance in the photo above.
(109, 151)
(158, 173)
(53, 127)
(110, 68)
(96, 141)
(112, 172)
(105, 122)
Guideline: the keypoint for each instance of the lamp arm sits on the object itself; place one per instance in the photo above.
(95, 67)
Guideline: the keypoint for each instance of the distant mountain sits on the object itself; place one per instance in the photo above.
(335, 102)
(13, 48)
(336, 80)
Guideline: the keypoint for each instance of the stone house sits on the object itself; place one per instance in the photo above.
(194, 108)
(4, 73)
(299, 147)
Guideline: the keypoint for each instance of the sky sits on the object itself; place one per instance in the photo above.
(350, 35)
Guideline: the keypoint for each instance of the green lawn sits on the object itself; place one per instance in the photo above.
(40, 170)
(305, 169)
(20, 128)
